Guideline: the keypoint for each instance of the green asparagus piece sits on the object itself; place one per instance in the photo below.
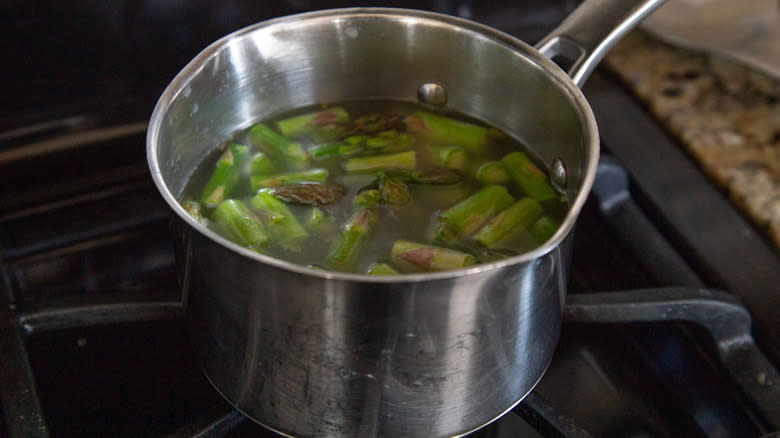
(492, 172)
(309, 193)
(453, 157)
(334, 150)
(443, 130)
(393, 190)
(420, 257)
(278, 146)
(473, 212)
(318, 220)
(381, 269)
(311, 175)
(240, 225)
(402, 160)
(310, 123)
(521, 214)
(356, 232)
(226, 175)
(261, 164)
(366, 199)
(436, 175)
(388, 142)
(543, 229)
(526, 175)
(194, 210)
(281, 223)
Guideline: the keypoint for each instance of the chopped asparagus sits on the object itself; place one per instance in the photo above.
(366, 199)
(334, 150)
(310, 175)
(240, 225)
(381, 269)
(420, 257)
(277, 146)
(226, 175)
(193, 209)
(375, 123)
(261, 164)
(319, 220)
(473, 212)
(453, 157)
(492, 172)
(309, 193)
(521, 214)
(402, 160)
(526, 175)
(436, 175)
(393, 190)
(388, 143)
(310, 123)
(543, 229)
(443, 130)
(356, 232)
(281, 223)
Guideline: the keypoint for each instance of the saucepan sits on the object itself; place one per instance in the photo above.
(315, 353)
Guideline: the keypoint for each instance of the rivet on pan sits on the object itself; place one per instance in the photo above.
(558, 173)
(432, 94)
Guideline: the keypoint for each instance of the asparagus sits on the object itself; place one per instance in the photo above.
(443, 130)
(453, 157)
(544, 228)
(226, 175)
(240, 225)
(420, 257)
(278, 146)
(473, 212)
(402, 160)
(375, 123)
(309, 193)
(389, 141)
(356, 232)
(366, 199)
(381, 269)
(492, 172)
(526, 175)
(436, 175)
(334, 150)
(193, 209)
(282, 224)
(318, 220)
(393, 191)
(521, 214)
(311, 175)
(261, 164)
(310, 123)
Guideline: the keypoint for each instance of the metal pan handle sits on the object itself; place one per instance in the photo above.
(590, 31)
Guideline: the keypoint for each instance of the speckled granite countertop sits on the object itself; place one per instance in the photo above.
(726, 115)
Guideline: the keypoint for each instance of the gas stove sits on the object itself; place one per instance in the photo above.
(657, 339)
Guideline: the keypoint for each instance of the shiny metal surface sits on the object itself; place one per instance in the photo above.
(431, 93)
(314, 353)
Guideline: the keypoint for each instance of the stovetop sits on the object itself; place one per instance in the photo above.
(91, 337)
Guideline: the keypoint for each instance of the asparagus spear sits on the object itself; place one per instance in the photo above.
(226, 175)
(443, 130)
(311, 175)
(393, 190)
(453, 157)
(492, 172)
(356, 232)
(334, 150)
(278, 146)
(309, 193)
(261, 164)
(319, 221)
(194, 210)
(240, 225)
(420, 257)
(381, 269)
(402, 160)
(526, 175)
(521, 214)
(389, 141)
(282, 224)
(543, 229)
(309, 123)
(473, 212)
(366, 199)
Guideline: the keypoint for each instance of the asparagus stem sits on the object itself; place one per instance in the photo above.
(278, 146)
(310, 123)
(356, 232)
(261, 164)
(544, 228)
(420, 257)
(334, 150)
(526, 175)
(443, 130)
(194, 210)
(381, 269)
(311, 175)
(366, 199)
(453, 157)
(240, 225)
(521, 214)
(473, 212)
(226, 176)
(492, 172)
(393, 190)
(402, 160)
(281, 223)
(309, 193)
(319, 221)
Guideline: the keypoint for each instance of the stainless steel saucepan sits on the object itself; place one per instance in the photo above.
(314, 353)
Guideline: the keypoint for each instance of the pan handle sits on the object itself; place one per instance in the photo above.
(586, 35)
